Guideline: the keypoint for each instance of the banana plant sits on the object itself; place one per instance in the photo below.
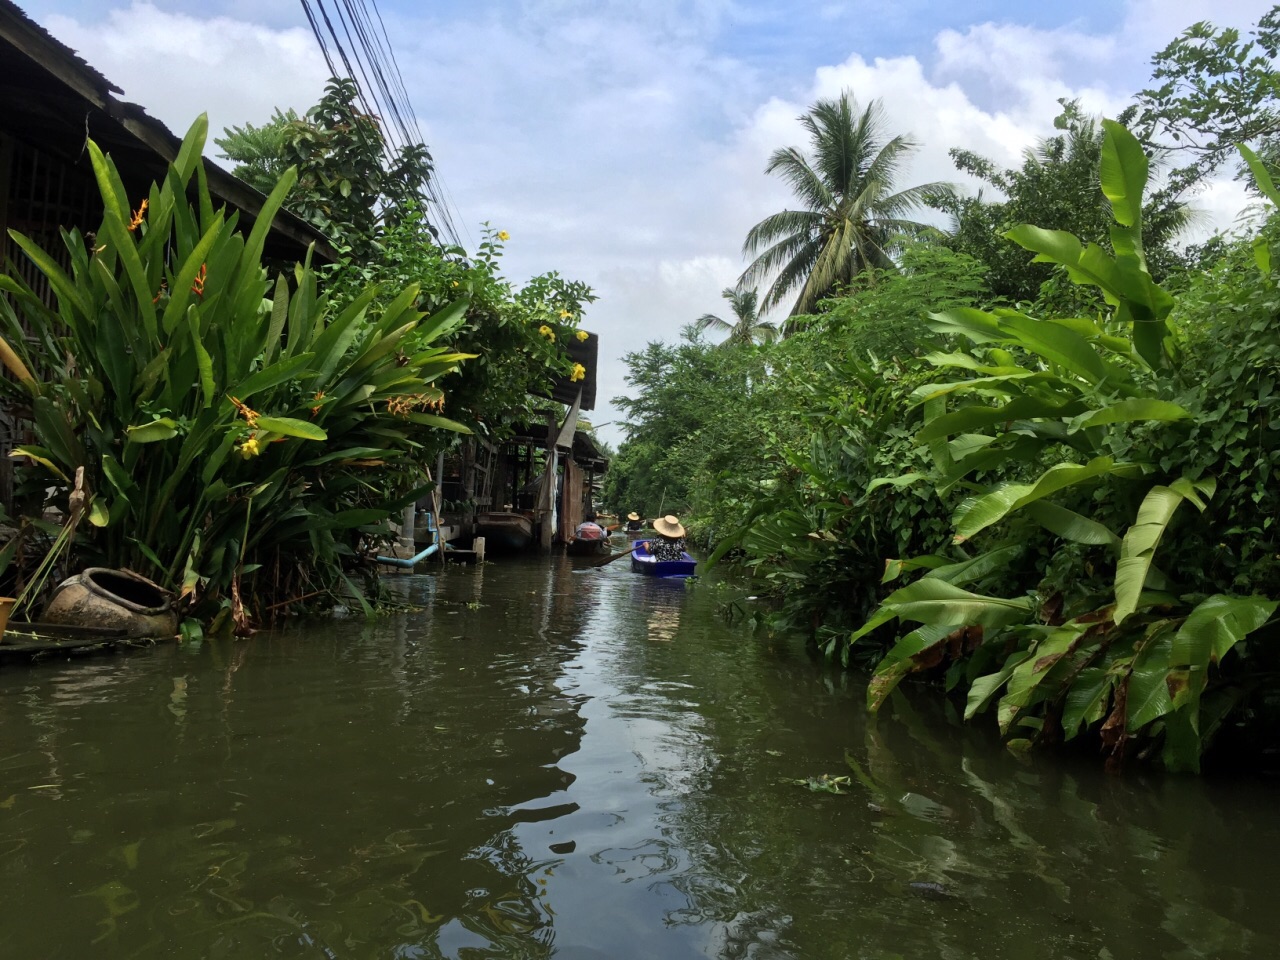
(1049, 405)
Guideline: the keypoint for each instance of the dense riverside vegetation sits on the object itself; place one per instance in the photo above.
(375, 212)
(1033, 461)
(239, 432)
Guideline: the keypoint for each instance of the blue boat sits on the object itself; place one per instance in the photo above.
(666, 569)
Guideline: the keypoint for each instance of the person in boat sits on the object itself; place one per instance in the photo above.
(668, 542)
(634, 521)
(589, 529)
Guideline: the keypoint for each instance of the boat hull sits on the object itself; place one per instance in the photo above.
(666, 569)
(505, 531)
(588, 548)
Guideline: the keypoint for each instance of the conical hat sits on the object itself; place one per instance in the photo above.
(669, 526)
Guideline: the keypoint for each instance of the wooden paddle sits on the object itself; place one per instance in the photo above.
(607, 560)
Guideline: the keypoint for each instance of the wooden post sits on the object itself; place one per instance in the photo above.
(437, 501)
(468, 481)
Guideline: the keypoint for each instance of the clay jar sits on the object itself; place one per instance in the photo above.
(111, 600)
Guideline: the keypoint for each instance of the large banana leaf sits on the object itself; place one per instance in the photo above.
(1143, 538)
(981, 512)
(1070, 525)
(935, 601)
(900, 660)
(1128, 411)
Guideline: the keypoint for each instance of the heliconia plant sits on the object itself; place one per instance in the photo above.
(1050, 405)
(230, 426)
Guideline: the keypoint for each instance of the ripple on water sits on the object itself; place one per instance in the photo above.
(581, 765)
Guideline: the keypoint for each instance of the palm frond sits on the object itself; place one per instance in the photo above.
(709, 321)
(777, 226)
(809, 187)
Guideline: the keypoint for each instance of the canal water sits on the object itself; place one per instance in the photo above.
(554, 761)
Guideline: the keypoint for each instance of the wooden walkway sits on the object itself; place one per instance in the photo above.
(29, 642)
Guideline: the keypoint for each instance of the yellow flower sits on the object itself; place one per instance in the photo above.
(250, 415)
(504, 236)
(547, 332)
(582, 335)
(565, 314)
(579, 373)
(136, 220)
(455, 283)
(250, 448)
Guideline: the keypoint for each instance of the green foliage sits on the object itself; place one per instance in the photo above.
(518, 334)
(1077, 419)
(1214, 90)
(228, 426)
(375, 213)
(885, 311)
(344, 186)
(1058, 188)
(259, 152)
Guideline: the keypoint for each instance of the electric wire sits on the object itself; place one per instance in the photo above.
(369, 60)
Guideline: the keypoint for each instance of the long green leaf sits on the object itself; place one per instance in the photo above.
(290, 427)
(1261, 175)
(1142, 539)
(1086, 699)
(1216, 625)
(976, 417)
(898, 662)
(1058, 345)
(1148, 696)
(113, 222)
(1132, 409)
(162, 428)
(1070, 525)
(67, 291)
(272, 376)
(1122, 173)
(936, 601)
(984, 688)
(993, 507)
(440, 423)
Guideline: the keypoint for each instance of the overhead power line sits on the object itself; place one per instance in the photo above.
(367, 57)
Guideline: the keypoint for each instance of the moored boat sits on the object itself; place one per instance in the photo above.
(646, 563)
(505, 530)
(588, 548)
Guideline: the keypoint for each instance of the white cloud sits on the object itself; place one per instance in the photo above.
(177, 66)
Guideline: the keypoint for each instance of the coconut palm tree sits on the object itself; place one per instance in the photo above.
(749, 328)
(852, 219)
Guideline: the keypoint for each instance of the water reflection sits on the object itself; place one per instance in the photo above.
(546, 760)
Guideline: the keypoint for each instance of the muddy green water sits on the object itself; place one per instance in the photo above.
(549, 762)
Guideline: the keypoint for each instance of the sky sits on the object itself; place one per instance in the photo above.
(623, 143)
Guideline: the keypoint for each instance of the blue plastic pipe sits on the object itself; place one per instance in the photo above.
(414, 560)
(410, 561)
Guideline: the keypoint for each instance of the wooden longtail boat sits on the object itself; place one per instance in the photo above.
(588, 548)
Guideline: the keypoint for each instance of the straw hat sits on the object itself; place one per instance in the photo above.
(669, 526)
(633, 515)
